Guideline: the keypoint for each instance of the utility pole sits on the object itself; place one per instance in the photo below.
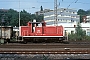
(19, 16)
(2, 22)
(55, 12)
(19, 12)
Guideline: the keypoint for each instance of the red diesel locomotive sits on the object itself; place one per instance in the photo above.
(39, 32)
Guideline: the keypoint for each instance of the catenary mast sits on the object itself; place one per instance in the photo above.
(55, 12)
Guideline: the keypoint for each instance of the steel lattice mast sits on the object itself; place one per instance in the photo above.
(55, 12)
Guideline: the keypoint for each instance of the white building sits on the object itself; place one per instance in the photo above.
(42, 12)
(67, 18)
(87, 18)
(64, 16)
(86, 27)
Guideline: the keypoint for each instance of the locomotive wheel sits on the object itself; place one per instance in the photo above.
(25, 42)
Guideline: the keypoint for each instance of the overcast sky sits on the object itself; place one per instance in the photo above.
(47, 4)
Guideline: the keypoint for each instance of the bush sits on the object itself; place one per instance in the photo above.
(87, 38)
(72, 37)
(79, 34)
(75, 37)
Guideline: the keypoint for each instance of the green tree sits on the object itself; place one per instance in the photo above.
(88, 12)
(24, 17)
(12, 17)
(79, 34)
(79, 30)
(82, 13)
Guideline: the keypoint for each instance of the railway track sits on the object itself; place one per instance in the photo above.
(44, 52)
(45, 48)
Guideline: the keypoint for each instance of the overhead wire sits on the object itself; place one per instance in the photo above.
(47, 2)
(72, 3)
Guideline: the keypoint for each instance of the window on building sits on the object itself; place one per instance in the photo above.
(73, 16)
(64, 9)
(61, 19)
(69, 15)
(58, 19)
(73, 12)
(72, 20)
(66, 20)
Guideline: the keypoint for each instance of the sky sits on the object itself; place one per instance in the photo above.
(32, 6)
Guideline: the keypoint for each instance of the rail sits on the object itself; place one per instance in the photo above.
(45, 49)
